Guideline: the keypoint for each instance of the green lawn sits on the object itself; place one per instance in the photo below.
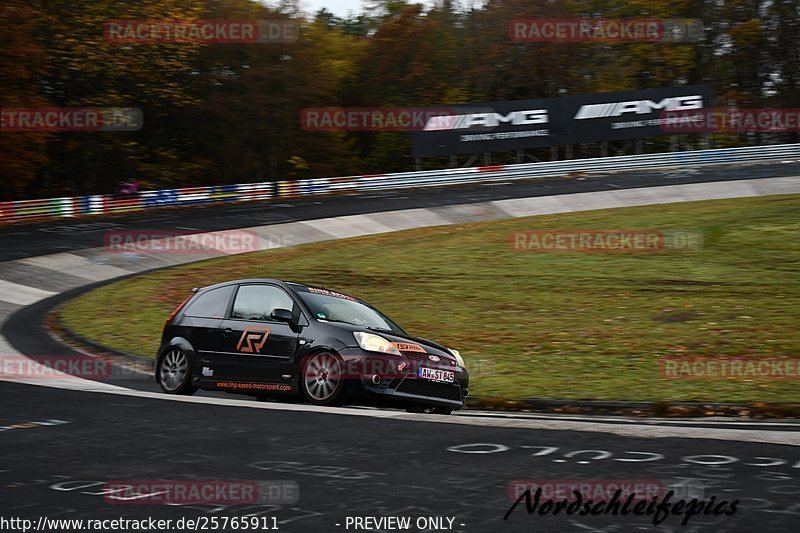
(580, 326)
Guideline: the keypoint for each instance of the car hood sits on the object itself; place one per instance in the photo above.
(428, 345)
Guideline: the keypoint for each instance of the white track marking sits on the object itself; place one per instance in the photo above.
(789, 438)
(15, 293)
(75, 265)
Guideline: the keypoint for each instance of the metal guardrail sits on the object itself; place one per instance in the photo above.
(98, 204)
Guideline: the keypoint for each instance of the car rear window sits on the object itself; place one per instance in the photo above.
(211, 304)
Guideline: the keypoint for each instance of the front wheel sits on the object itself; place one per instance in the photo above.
(173, 373)
(322, 380)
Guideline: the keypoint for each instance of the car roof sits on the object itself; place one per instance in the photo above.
(280, 282)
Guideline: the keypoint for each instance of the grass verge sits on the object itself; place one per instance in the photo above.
(566, 325)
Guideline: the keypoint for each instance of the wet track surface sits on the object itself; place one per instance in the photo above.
(61, 447)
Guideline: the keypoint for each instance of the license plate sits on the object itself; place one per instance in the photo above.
(432, 374)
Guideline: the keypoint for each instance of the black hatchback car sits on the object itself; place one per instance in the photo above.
(271, 338)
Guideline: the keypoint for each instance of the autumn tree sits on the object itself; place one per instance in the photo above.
(22, 154)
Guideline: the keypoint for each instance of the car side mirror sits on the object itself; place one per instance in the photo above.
(282, 315)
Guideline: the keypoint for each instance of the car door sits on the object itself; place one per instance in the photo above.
(201, 322)
(253, 347)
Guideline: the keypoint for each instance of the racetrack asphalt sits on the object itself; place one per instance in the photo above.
(352, 466)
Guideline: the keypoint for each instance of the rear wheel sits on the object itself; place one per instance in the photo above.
(322, 379)
(174, 374)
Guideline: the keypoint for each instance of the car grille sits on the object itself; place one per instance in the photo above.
(421, 387)
(423, 359)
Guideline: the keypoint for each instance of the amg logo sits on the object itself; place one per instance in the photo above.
(486, 120)
(640, 107)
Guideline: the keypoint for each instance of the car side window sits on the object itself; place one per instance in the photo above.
(256, 302)
(211, 304)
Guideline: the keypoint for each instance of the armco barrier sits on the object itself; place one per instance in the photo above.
(98, 204)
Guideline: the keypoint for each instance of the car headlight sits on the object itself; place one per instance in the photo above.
(460, 359)
(375, 343)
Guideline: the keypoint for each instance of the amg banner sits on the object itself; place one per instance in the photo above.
(520, 124)
(628, 114)
(487, 127)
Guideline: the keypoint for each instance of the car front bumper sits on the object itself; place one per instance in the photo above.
(396, 379)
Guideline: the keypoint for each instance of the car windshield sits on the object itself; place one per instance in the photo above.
(336, 307)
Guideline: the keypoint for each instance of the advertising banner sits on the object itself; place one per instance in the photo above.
(521, 124)
(487, 127)
(628, 114)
